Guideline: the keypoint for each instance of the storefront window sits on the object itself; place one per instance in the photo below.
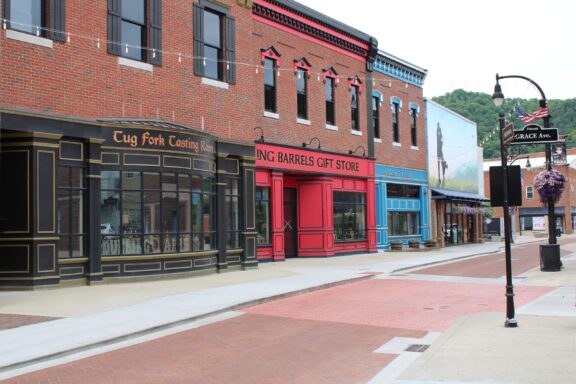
(263, 216)
(232, 213)
(70, 211)
(403, 191)
(152, 212)
(349, 216)
(403, 223)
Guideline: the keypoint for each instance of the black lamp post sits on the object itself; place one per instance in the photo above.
(550, 253)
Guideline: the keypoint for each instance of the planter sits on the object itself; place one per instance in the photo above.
(430, 243)
(396, 245)
(414, 244)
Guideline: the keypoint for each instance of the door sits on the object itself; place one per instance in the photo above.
(290, 223)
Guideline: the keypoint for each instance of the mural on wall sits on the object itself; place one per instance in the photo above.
(452, 150)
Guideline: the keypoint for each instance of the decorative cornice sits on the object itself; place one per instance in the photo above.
(399, 71)
(302, 27)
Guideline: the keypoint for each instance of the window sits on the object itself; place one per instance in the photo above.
(70, 211)
(395, 122)
(349, 216)
(413, 126)
(355, 114)
(270, 85)
(329, 92)
(214, 42)
(45, 18)
(135, 29)
(152, 212)
(232, 212)
(263, 216)
(529, 192)
(376, 116)
(403, 223)
(402, 191)
(302, 93)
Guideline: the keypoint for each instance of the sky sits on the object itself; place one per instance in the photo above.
(464, 43)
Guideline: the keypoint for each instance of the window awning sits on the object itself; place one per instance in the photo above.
(446, 194)
(540, 211)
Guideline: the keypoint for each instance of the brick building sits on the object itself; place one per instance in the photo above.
(532, 215)
(161, 137)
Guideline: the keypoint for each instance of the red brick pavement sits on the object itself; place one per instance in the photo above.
(8, 321)
(419, 305)
(248, 349)
(524, 258)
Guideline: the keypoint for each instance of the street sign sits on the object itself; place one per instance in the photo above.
(535, 134)
(508, 133)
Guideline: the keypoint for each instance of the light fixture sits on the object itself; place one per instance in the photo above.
(350, 152)
(261, 139)
(310, 143)
(498, 96)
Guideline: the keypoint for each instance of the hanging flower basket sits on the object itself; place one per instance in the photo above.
(550, 185)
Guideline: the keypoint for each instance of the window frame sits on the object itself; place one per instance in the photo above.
(392, 223)
(342, 231)
(355, 107)
(330, 104)
(529, 192)
(376, 116)
(52, 20)
(302, 95)
(200, 189)
(414, 127)
(395, 108)
(70, 191)
(233, 235)
(263, 200)
(270, 90)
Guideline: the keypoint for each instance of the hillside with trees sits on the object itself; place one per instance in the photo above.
(479, 108)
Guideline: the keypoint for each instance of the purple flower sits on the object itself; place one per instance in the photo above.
(550, 185)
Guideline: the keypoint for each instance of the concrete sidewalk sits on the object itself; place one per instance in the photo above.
(95, 316)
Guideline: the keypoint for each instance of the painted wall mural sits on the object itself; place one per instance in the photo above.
(452, 150)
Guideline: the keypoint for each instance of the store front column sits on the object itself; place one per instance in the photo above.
(28, 242)
(277, 192)
(93, 178)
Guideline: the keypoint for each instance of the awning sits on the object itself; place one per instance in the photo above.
(540, 211)
(446, 194)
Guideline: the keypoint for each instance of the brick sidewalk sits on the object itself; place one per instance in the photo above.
(8, 321)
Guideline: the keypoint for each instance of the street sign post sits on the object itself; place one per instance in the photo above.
(508, 133)
(535, 134)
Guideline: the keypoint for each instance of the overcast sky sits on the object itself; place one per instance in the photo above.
(464, 43)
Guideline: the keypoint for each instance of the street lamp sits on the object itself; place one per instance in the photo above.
(510, 320)
(550, 253)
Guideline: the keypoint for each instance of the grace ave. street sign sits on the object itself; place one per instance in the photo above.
(535, 134)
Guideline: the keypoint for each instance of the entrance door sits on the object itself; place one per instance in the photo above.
(290, 222)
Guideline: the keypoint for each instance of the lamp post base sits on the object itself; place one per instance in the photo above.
(550, 258)
(510, 323)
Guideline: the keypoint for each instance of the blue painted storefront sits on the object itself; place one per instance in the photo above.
(387, 174)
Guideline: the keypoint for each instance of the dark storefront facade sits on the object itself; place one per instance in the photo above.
(87, 201)
(313, 203)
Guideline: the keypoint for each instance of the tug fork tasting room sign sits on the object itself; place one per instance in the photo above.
(289, 158)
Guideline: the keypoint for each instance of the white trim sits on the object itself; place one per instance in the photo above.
(27, 38)
(355, 132)
(303, 121)
(331, 127)
(396, 144)
(214, 83)
(414, 148)
(377, 140)
(272, 115)
(135, 64)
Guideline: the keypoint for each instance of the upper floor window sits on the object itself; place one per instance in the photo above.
(302, 68)
(414, 111)
(135, 29)
(354, 89)
(270, 85)
(330, 79)
(395, 107)
(529, 192)
(214, 42)
(44, 18)
(376, 116)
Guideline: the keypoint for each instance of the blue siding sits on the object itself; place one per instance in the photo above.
(386, 174)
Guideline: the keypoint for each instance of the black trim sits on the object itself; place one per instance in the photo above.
(57, 20)
(198, 20)
(114, 27)
(230, 49)
(156, 32)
